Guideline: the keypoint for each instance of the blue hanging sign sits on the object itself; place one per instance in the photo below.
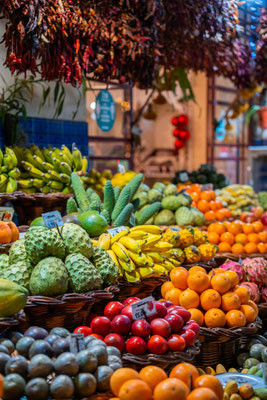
(105, 111)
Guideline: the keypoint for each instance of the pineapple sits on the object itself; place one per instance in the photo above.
(186, 237)
(207, 251)
(191, 254)
(199, 237)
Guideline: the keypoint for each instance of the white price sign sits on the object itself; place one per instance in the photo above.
(52, 219)
(175, 228)
(114, 231)
(6, 214)
(144, 308)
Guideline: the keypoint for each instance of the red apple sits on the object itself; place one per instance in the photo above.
(121, 324)
(166, 303)
(185, 314)
(161, 327)
(127, 310)
(176, 322)
(193, 326)
(96, 335)
(161, 310)
(189, 336)
(112, 309)
(264, 218)
(101, 325)
(136, 345)
(176, 343)
(157, 345)
(130, 300)
(172, 309)
(115, 340)
(141, 328)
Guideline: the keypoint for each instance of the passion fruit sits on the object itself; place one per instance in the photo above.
(85, 384)
(61, 346)
(113, 351)
(62, 387)
(100, 353)
(51, 339)
(66, 364)
(103, 375)
(37, 389)
(87, 361)
(14, 336)
(8, 344)
(36, 332)
(62, 332)
(14, 386)
(17, 365)
(4, 358)
(40, 347)
(23, 345)
(40, 366)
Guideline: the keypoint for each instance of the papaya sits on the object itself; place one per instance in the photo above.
(246, 391)
(94, 223)
(13, 298)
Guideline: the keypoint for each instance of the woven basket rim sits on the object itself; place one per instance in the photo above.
(150, 280)
(262, 306)
(13, 320)
(236, 257)
(37, 196)
(234, 332)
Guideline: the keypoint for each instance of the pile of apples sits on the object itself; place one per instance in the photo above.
(170, 329)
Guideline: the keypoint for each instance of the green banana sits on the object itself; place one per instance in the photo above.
(19, 153)
(8, 161)
(39, 163)
(29, 190)
(47, 177)
(48, 166)
(45, 189)
(35, 172)
(65, 168)
(55, 175)
(77, 159)
(3, 179)
(65, 150)
(25, 183)
(12, 154)
(11, 185)
(84, 164)
(1, 157)
(56, 185)
(35, 150)
(4, 168)
(47, 155)
(65, 178)
(38, 183)
(14, 173)
(63, 158)
(67, 190)
(56, 163)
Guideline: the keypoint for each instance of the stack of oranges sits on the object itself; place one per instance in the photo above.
(238, 237)
(183, 383)
(213, 299)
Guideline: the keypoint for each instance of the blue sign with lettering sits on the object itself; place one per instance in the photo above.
(105, 111)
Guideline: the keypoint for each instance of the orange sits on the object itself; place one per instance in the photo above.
(210, 382)
(228, 237)
(235, 318)
(213, 237)
(258, 226)
(210, 215)
(232, 275)
(135, 389)
(230, 301)
(221, 283)
(242, 293)
(195, 196)
(220, 215)
(226, 224)
(210, 299)
(249, 312)
(120, 376)
(235, 228)
(1, 385)
(251, 248)
(173, 295)
(263, 236)
(199, 281)
(5, 233)
(189, 299)
(171, 389)
(215, 318)
(216, 271)
(179, 277)
(247, 228)
(14, 231)
(224, 247)
(197, 315)
(166, 287)
(185, 372)
(213, 205)
(253, 305)
(219, 228)
(218, 205)
(196, 268)
(253, 238)
(203, 206)
(262, 248)
(238, 248)
(241, 238)
(207, 195)
(227, 213)
(211, 227)
(152, 375)
(202, 394)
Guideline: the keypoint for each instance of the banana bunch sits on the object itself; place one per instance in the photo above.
(140, 252)
(48, 170)
(9, 171)
(96, 180)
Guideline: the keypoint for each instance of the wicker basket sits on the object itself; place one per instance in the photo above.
(9, 322)
(220, 258)
(142, 289)
(165, 361)
(68, 311)
(263, 313)
(219, 345)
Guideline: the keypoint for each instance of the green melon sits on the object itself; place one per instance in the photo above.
(94, 223)
(38, 222)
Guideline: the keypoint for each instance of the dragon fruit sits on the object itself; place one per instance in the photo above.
(234, 266)
(253, 289)
(256, 270)
(264, 294)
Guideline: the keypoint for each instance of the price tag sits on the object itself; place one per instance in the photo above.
(207, 186)
(144, 308)
(114, 231)
(183, 176)
(132, 220)
(77, 343)
(22, 235)
(175, 228)
(6, 214)
(52, 219)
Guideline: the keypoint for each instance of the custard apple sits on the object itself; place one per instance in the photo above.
(19, 273)
(41, 242)
(165, 217)
(17, 252)
(184, 216)
(170, 190)
(76, 240)
(4, 262)
(105, 265)
(49, 278)
(82, 273)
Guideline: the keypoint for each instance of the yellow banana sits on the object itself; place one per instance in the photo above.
(155, 230)
(126, 266)
(65, 178)
(119, 235)
(130, 244)
(84, 164)
(35, 150)
(67, 190)
(62, 157)
(8, 162)
(1, 157)
(132, 277)
(94, 242)
(65, 168)
(120, 251)
(160, 270)
(19, 153)
(168, 265)
(65, 150)
(55, 175)
(144, 272)
(47, 177)
(104, 241)
(56, 164)
(11, 185)
(139, 259)
(174, 262)
(35, 172)
(56, 185)
(13, 156)
(138, 234)
(14, 173)
(150, 261)
(151, 241)
(39, 163)
(3, 180)
(77, 159)
(113, 256)
(47, 155)
(161, 246)
(25, 183)
(38, 183)
(156, 257)
(47, 166)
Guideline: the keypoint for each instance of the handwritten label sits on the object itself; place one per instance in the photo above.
(144, 308)
(207, 186)
(52, 219)
(22, 235)
(6, 214)
(175, 228)
(183, 176)
(77, 343)
(114, 231)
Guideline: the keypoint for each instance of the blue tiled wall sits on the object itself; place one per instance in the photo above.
(44, 132)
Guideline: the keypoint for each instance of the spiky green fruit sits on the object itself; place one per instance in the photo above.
(41, 242)
(17, 252)
(82, 273)
(4, 262)
(19, 273)
(49, 278)
(105, 265)
(76, 240)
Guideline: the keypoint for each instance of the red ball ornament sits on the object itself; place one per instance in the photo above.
(183, 134)
(179, 144)
(176, 132)
(182, 120)
(175, 121)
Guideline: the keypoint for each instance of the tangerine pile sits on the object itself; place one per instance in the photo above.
(8, 232)
(238, 237)
(213, 299)
(183, 383)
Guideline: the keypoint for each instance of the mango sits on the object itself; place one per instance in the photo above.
(232, 370)
(244, 371)
(235, 396)
(246, 391)
(220, 369)
(13, 298)
(231, 387)
(210, 371)
(253, 370)
(226, 396)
